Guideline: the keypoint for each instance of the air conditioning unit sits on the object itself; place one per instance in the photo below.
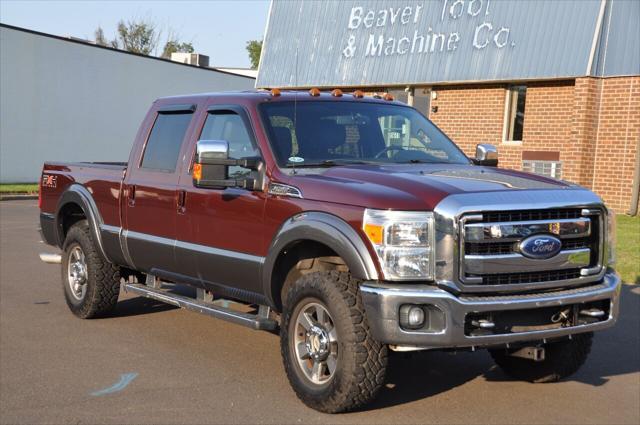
(191, 59)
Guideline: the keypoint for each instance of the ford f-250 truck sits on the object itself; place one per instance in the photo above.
(349, 223)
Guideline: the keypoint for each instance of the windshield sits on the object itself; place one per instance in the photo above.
(336, 133)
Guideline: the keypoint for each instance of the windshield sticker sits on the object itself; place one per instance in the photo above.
(295, 159)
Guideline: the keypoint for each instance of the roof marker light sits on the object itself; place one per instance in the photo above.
(314, 92)
(275, 92)
(359, 94)
(336, 92)
(388, 96)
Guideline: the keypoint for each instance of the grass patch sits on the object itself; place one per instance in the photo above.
(19, 188)
(628, 248)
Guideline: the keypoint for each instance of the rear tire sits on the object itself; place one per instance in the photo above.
(562, 359)
(336, 333)
(91, 284)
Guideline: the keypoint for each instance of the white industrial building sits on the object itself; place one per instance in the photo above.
(67, 100)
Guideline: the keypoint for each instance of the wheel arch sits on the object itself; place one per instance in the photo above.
(312, 235)
(75, 204)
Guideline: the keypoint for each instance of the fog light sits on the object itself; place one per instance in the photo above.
(411, 316)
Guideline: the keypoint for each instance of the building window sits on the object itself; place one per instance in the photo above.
(551, 169)
(514, 113)
(422, 100)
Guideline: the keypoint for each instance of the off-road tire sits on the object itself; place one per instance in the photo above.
(103, 278)
(362, 361)
(562, 359)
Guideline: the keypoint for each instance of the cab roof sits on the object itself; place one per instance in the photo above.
(284, 95)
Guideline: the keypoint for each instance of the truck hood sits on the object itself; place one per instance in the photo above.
(411, 186)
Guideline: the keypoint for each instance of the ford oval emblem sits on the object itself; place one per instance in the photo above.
(540, 246)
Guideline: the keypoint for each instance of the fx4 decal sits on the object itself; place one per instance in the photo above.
(49, 180)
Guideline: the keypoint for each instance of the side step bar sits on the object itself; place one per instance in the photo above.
(259, 321)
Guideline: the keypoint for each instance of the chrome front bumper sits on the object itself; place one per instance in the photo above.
(382, 303)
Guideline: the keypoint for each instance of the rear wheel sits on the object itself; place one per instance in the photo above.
(91, 284)
(331, 360)
(561, 359)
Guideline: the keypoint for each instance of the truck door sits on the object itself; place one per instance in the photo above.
(150, 187)
(220, 230)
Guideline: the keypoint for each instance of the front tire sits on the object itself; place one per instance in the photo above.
(331, 360)
(91, 283)
(561, 359)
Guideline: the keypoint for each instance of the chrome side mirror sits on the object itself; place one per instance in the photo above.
(211, 167)
(486, 154)
(211, 151)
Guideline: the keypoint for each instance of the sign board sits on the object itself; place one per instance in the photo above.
(384, 43)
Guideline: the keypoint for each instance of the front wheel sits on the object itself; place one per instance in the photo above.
(331, 360)
(561, 359)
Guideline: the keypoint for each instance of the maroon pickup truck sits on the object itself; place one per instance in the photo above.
(350, 224)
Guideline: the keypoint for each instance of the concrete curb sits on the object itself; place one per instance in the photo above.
(17, 197)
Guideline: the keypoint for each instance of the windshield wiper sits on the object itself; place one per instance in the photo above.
(421, 161)
(327, 163)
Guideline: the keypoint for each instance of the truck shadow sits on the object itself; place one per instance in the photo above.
(139, 305)
(428, 373)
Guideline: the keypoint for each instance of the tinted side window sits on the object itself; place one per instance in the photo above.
(163, 146)
(229, 126)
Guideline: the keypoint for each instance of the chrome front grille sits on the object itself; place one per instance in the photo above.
(496, 248)
(491, 259)
(529, 215)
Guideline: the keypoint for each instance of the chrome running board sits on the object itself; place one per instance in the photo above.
(260, 321)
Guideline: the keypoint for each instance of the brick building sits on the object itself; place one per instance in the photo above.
(555, 85)
(584, 130)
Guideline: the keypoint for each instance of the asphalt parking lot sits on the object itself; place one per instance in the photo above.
(152, 363)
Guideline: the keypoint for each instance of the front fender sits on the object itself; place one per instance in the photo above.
(328, 230)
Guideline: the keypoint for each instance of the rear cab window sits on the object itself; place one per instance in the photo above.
(163, 145)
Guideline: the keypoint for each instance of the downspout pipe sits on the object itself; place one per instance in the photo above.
(635, 188)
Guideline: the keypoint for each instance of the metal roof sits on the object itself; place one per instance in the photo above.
(398, 42)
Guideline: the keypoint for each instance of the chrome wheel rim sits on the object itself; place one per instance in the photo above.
(77, 273)
(315, 343)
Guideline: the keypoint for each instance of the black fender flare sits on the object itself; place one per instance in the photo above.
(79, 195)
(324, 228)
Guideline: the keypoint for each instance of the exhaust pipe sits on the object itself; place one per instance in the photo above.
(51, 258)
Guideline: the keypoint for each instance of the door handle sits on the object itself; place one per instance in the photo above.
(132, 195)
(181, 200)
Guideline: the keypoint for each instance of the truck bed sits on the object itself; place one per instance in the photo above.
(102, 179)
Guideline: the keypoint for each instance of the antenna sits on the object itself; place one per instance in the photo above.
(295, 105)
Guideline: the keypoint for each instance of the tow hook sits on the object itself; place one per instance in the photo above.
(531, 353)
(563, 317)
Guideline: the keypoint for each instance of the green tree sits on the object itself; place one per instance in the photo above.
(137, 37)
(175, 46)
(143, 36)
(254, 48)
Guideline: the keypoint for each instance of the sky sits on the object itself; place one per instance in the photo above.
(219, 29)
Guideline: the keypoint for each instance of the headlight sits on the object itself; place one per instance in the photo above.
(610, 253)
(404, 242)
